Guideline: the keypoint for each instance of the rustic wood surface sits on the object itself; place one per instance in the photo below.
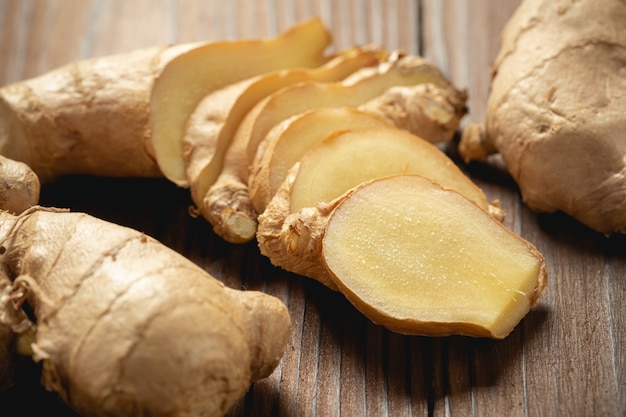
(566, 358)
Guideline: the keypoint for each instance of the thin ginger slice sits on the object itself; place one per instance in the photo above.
(345, 159)
(288, 141)
(419, 259)
(227, 205)
(190, 76)
(556, 111)
(356, 90)
(213, 123)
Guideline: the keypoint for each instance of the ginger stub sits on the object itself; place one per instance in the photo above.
(419, 259)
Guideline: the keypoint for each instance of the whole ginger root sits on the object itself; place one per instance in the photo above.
(126, 326)
(557, 109)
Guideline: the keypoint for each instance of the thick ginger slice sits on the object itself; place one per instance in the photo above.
(289, 140)
(188, 78)
(212, 125)
(227, 205)
(419, 259)
(347, 158)
(178, 342)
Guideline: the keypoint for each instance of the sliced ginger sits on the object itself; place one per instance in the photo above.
(287, 232)
(213, 123)
(227, 205)
(419, 259)
(191, 76)
(288, 141)
(345, 159)
(361, 87)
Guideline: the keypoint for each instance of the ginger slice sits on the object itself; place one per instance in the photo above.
(347, 158)
(288, 141)
(227, 205)
(419, 259)
(192, 75)
(213, 123)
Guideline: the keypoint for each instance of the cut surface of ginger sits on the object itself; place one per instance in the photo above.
(347, 158)
(419, 259)
(288, 141)
(188, 78)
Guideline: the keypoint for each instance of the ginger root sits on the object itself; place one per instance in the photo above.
(19, 186)
(188, 78)
(127, 326)
(88, 117)
(557, 109)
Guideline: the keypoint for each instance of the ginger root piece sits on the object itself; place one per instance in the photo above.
(227, 205)
(557, 109)
(419, 259)
(341, 162)
(186, 80)
(287, 142)
(127, 326)
(87, 117)
(212, 125)
(19, 186)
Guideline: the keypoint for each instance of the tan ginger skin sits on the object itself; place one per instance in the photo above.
(177, 341)
(557, 109)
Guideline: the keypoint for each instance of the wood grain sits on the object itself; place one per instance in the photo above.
(566, 358)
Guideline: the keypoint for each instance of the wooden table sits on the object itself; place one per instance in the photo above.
(566, 358)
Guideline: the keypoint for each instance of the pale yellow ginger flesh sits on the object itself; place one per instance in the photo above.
(419, 259)
(227, 205)
(557, 110)
(212, 125)
(188, 78)
(288, 141)
(347, 158)
(126, 326)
